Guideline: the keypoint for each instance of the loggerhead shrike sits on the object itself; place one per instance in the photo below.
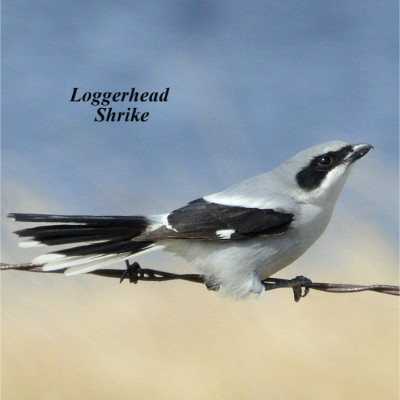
(235, 238)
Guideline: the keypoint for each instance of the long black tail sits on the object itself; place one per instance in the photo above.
(97, 237)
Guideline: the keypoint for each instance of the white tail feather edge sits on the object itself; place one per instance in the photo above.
(82, 264)
(66, 262)
(96, 264)
(29, 244)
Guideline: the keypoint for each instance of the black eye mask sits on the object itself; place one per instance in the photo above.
(311, 176)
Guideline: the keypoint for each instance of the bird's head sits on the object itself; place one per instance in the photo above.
(320, 172)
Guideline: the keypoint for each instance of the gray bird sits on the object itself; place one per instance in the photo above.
(235, 238)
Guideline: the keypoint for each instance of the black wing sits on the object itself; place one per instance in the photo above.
(203, 220)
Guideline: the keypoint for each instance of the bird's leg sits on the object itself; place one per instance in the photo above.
(133, 271)
(296, 284)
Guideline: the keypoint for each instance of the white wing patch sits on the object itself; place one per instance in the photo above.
(225, 233)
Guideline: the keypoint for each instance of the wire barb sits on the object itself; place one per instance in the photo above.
(135, 274)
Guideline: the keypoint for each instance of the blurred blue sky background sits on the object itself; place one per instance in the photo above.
(251, 83)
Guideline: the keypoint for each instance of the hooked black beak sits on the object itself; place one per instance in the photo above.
(358, 151)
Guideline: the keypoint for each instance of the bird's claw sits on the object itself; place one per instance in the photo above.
(296, 284)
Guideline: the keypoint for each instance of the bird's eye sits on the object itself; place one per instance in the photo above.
(325, 161)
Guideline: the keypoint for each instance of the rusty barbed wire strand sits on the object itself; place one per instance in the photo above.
(152, 275)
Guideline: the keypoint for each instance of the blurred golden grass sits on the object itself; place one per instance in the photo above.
(89, 338)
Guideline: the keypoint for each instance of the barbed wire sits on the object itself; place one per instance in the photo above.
(134, 273)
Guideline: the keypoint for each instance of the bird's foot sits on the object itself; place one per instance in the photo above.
(296, 284)
(133, 272)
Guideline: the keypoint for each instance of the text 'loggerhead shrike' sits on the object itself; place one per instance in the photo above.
(235, 238)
